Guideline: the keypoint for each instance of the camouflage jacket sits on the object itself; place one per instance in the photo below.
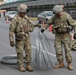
(20, 27)
(61, 24)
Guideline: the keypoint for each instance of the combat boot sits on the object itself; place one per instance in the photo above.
(29, 68)
(60, 65)
(21, 68)
(70, 67)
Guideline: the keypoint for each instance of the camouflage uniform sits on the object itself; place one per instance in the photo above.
(61, 26)
(21, 28)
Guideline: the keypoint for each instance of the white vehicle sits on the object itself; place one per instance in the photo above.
(10, 14)
(45, 16)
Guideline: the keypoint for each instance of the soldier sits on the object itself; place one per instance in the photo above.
(21, 26)
(62, 24)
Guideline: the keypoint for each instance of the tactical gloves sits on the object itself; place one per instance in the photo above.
(42, 30)
(38, 25)
(12, 43)
(74, 36)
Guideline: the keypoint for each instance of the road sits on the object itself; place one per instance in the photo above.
(6, 50)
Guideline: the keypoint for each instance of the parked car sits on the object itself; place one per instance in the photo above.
(10, 14)
(45, 16)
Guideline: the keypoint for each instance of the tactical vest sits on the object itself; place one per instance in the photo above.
(21, 29)
(61, 24)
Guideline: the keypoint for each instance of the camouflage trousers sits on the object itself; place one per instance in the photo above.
(73, 44)
(63, 40)
(23, 46)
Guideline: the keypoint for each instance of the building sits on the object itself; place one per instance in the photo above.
(9, 1)
(37, 6)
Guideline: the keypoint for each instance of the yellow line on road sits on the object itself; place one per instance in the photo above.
(33, 18)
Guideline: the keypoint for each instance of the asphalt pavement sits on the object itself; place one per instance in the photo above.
(6, 50)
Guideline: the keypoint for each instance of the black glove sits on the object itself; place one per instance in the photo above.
(74, 36)
(42, 30)
(12, 43)
(38, 25)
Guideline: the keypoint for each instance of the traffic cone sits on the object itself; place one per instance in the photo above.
(7, 20)
(50, 28)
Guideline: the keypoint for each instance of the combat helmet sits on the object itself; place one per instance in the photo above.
(57, 9)
(62, 6)
(22, 8)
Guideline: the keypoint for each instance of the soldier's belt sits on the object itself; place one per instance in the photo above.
(22, 33)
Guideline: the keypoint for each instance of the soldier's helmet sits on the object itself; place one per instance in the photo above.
(22, 8)
(62, 6)
(57, 9)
